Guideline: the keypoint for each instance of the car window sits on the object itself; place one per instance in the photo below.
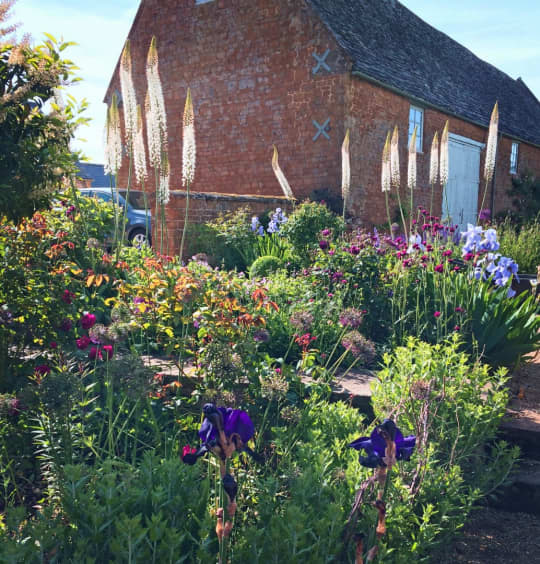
(136, 198)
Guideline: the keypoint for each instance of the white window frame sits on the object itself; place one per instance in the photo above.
(413, 120)
(514, 157)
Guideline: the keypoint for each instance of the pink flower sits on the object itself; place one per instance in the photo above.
(88, 320)
(109, 351)
(188, 450)
(457, 328)
(83, 343)
(67, 296)
(439, 268)
(53, 344)
(42, 370)
(459, 309)
(94, 354)
(447, 253)
(437, 314)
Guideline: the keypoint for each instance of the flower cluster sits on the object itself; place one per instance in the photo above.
(277, 219)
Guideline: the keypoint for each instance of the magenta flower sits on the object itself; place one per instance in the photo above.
(94, 354)
(437, 314)
(83, 343)
(439, 268)
(67, 296)
(109, 351)
(88, 320)
(42, 370)
(323, 244)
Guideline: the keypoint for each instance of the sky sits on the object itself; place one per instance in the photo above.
(502, 32)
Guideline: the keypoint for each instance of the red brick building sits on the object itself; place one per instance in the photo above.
(298, 73)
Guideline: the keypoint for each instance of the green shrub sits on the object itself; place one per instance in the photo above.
(305, 225)
(521, 243)
(265, 265)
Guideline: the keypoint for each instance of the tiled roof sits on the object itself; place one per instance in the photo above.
(95, 172)
(390, 44)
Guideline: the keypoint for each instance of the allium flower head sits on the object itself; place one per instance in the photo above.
(302, 320)
(434, 160)
(351, 317)
(359, 346)
(443, 169)
(491, 150)
(345, 172)
(394, 158)
(129, 98)
(188, 147)
(411, 165)
(283, 182)
(386, 174)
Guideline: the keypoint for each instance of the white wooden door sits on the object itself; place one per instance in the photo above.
(460, 198)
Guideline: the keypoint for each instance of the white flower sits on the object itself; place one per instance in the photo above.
(129, 98)
(394, 158)
(443, 170)
(415, 244)
(345, 172)
(139, 152)
(386, 176)
(156, 118)
(113, 139)
(163, 194)
(288, 193)
(491, 150)
(188, 145)
(411, 165)
(434, 160)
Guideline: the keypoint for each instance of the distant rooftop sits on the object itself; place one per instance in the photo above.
(94, 172)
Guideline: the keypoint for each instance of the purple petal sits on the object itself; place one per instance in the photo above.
(238, 421)
(361, 443)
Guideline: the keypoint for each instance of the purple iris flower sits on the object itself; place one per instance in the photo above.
(375, 445)
(235, 424)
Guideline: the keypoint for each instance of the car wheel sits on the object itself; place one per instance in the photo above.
(138, 238)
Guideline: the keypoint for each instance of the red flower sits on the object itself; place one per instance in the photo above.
(108, 350)
(95, 353)
(437, 314)
(83, 343)
(67, 296)
(88, 320)
(439, 268)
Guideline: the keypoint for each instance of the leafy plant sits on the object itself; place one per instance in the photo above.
(522, 243)
(264, 265)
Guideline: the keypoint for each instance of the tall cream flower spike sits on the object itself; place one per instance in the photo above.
(345, 172)
(188, 146)
(163, 193)
(139, 152)
(394, 158)
(411, 165)
(386, 175)
(288, 193)
(156, 118)
(129, 98)
(434, 160)
(491, 150)
(113, 139)
(443, 166)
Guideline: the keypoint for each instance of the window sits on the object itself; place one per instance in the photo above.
(203, 1)
(514, 157)
(416, 119)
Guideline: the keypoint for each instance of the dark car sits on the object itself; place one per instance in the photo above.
(139, 221)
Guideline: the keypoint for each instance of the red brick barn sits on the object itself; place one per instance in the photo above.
(298, 74)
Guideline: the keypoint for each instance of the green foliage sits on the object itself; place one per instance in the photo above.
(34, 145)
(304, 226)
(205, 239)
(265, 265)
(525, 193)
(522, 243)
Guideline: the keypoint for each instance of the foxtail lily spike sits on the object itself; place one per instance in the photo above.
(411, 165)
(345, 173)
(443, 166)
(491, 150)
(386, 179)
(113, 139)
(288, 193)
(139, 152)
(129, 98)
(434, 160)
(188, 147)
(156, 118)
(163, 194)
(394, 158)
